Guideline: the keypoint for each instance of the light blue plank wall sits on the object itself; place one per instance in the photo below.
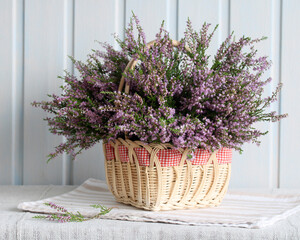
(36, 37)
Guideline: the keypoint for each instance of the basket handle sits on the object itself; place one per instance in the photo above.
(133, 62)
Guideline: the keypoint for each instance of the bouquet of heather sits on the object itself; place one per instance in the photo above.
(168, 136)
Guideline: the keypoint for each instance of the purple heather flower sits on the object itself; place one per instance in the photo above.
(176, 96)
(57, 207)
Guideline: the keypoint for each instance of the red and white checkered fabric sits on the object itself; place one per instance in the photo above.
(201, 157)
(110, 154)
(169, 157)
(123, 153)
(224, 155)
(143, 156)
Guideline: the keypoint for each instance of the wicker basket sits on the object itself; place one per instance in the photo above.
(158, 177)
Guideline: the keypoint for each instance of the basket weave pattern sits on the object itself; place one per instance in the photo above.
(156, 187)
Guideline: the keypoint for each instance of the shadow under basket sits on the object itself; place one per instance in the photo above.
(157, 177)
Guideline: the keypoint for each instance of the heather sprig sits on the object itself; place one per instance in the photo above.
(63, 215)
(177, 95)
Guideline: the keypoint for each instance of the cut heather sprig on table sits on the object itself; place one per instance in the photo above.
(63, 215)
(177, 95)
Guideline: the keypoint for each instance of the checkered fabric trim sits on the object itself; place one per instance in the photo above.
(123, 153)
(224, 155)
(110, 154)
(143, 156)
(201, 157)
(169, 157)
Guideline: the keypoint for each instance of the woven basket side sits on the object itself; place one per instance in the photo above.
(155, 187)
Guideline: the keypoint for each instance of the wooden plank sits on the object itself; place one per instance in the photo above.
(275, 74)
(43, 63)
(151, 14)
(289, 128)
(17, 91)
(67, 164)
(256, 167)
(94, 20)
(213, 12)
(6, 92)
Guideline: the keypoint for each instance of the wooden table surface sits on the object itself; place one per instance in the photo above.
(15, 224)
